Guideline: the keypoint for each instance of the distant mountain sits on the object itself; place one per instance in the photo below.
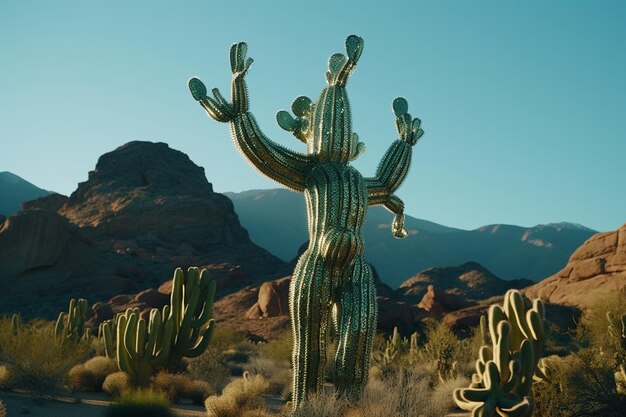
(14, 191)
(276, 220)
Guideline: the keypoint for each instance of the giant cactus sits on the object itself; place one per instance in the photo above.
(332, 282)
(502, 384)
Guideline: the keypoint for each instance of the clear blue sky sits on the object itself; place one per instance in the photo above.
(523, 103)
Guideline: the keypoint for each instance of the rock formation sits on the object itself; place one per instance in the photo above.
(596, 268)
(470, 281)
(143, 211)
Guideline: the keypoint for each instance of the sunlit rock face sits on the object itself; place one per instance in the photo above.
(596, 268)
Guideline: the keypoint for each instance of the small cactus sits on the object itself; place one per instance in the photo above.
(505, 369)
(71, 327)
(617, 330)
(181, 329)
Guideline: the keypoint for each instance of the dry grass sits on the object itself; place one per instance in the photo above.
(140, 403)
(90, 375)
(237, 397)
(34, 358)
(178, 386)
(116, 383)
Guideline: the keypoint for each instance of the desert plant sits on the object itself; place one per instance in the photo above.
(181, 329)
(3, 409)
(71, 327)
(388, 356)
(35, 359)
(238, 396)
(116, 383)
(178, 386)
(90, 375)
(443, 349)
(505, 369)
(140, 402)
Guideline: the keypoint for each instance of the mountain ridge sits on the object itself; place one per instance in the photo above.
(276, 220)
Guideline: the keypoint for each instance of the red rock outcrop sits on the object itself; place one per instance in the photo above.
(438, 302)
(596, 268)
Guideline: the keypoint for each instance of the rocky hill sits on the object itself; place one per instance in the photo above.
(276, 220)
(596, 268)
(14, 190)
(144, 210)
(471, 281)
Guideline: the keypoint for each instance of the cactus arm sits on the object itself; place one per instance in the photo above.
(271, 159)
(394, 167)
(107, 338)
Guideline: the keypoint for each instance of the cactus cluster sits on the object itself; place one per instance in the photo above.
(506, 367)
(394, 346)
(71, 326)
(180, 329)
(333, 284)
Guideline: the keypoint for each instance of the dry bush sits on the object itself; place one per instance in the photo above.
(582, 385)
(209, 367)
(178, 387)
(322, 404)
(90, 375)
(406, 392)
(140, 403)
(3, 409)
(278, 376)
(443, 349)
(238, 396)
(116, 383)
(5, 377)
(37, 361)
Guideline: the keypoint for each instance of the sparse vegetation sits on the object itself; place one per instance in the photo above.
(34, 359)
(90, 375)
(178, 386)
(116, 383)
(239, 396)
(140, 402)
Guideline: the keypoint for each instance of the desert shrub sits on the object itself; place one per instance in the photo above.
(240, 395)
(257, 413)
(37, 361)
(209, 367)
(278, 376)
(3, 409)
(443, 349)
(581, 385)
(322, 404)
(140, 403)
(5, 377)
(406, 392)
(116, 383)
(593, 327)
(90, 375)
(278, 350)
(178, 387)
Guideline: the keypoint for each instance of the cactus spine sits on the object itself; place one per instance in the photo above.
(71, 327)
(332, 275)
(502, 383)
